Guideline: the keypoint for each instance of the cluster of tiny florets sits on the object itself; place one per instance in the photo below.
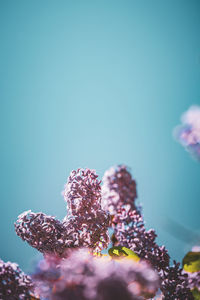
(43, 232)
(130, 232)
(85, 225)
(85, 217)
(175, 283)
(188, 133)
(82, 192)
(84, 276)
(119, 189)
(14, 284)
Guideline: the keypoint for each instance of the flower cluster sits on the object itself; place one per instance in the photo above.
(175, 283)
(194, 280)
(43, 232)
(188, 133)
(85, 218)
(74, 267)
(191, 266)
(84, 276)
(130, 232)
(119, 189)
(85, 225)
(14, 284)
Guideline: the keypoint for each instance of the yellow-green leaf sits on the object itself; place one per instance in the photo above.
(123, 252)
(191, 262)
(196, 294)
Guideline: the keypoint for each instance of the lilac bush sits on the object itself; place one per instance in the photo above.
(136, 267)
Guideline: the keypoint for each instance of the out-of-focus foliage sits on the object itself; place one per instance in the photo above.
(121, 252)
(191, 262)
(196, 294)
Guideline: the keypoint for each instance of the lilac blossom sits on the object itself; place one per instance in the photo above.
(85, 218)
(84, 276)
(43, 232)
(174, 284)
(14, 284)
(188, 133)
(130, 232)
(72, 270)
(119, 189)
(86, 224)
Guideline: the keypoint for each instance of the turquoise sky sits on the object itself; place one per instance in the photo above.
(92, 84)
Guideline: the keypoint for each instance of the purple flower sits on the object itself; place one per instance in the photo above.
(84, 276)
(70, 271)
(193, 277)
(86, 224)
(85, 219)
(119, 189)
(82, 192)
(188, 133)
(174, 284)
(14, 284)
(130, 232)
(43, 232)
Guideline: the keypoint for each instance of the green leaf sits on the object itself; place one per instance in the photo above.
(123, 252)
(191, 262)
(196, 294)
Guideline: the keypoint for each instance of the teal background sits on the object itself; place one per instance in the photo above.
(92, 84)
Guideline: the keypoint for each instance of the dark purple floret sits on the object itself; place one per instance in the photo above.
(174, 284)
(119, 189)
(14, 284)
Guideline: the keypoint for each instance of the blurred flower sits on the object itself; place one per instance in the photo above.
(188, 133)
(119, 189)
(84, 276)
(14, 284)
